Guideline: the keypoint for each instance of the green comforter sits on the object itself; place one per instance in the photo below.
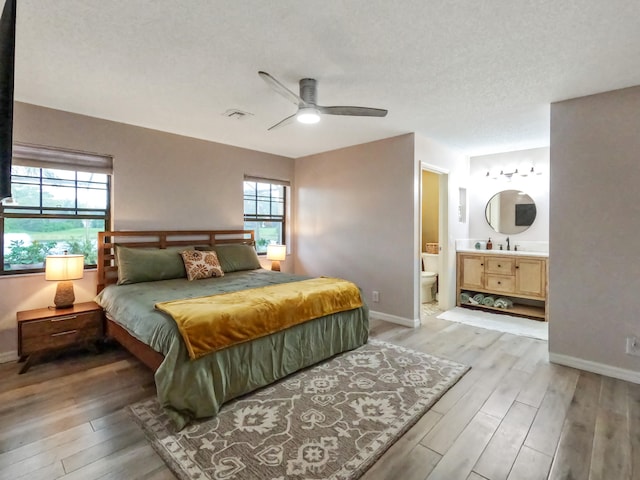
(191, 389)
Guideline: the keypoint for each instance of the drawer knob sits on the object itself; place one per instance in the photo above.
(499, 266)
(517, 266)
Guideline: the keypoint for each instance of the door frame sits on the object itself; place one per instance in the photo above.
(444, 272)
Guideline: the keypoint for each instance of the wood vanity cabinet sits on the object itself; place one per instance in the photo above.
(471, 272)
(520, 278)
(531, 277)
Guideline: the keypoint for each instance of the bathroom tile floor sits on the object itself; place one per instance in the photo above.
(429, 309)
(498, 322)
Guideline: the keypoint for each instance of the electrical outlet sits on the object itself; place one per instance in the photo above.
(375, 296)
(633, 346)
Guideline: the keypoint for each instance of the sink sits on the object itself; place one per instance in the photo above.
(504, 252)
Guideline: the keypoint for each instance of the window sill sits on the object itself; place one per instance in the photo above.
(10, 274)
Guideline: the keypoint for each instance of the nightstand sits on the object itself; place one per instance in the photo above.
(46, 329)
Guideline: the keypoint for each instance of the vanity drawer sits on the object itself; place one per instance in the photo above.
(501, 283)
(500, 266)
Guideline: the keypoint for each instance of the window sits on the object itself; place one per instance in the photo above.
(60, 201)
(265, 207)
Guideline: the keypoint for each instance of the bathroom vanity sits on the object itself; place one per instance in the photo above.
(519, 276)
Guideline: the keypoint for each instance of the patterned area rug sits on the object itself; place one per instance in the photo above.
(330, 421)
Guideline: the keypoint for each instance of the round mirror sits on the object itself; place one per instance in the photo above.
(510, 211)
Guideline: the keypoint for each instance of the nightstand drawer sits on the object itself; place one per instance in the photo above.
(49, 326)
(59, 339)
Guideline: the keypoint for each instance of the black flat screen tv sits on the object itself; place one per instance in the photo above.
(7, 63)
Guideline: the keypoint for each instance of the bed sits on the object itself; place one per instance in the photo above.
(191, 388)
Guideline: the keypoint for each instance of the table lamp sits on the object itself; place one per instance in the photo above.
(64, 269)
(276, 253)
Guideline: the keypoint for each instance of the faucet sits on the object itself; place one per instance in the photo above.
(508, 247)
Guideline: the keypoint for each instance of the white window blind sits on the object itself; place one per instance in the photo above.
(249, 178)
(61, 159)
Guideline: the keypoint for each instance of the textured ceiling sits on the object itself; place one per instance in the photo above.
(477, 76)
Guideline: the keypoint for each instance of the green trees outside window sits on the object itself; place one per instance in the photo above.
(264, 212)
(53, 211)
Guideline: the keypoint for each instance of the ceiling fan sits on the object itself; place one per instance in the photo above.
(308, 110)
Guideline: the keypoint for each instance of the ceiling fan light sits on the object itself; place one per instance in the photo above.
(308, 115)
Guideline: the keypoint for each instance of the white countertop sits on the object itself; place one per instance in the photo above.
(523, 253)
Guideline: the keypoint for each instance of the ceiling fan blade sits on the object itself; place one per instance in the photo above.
(353, 111)
(281, 89)
(284, 122)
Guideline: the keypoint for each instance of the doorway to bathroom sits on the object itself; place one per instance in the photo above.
(434, 277)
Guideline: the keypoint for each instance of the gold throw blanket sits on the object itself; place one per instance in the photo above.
(214, 322)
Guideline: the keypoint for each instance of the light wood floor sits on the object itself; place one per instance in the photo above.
(513, 416)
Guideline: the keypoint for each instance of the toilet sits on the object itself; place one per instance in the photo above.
(428, 277)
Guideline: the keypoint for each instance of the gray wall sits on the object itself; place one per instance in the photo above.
(594, 271)
(161, 181)
(354, 219)
(358, 217)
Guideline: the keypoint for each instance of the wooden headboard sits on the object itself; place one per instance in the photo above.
(108, 270)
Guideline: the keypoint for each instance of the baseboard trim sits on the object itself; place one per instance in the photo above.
(595, 367)
(405, 322)
(10, 356)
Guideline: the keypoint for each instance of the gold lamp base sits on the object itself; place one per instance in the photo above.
(275, 265)
(64, 295)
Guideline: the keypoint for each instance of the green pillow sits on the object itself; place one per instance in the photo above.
(235, 257)
(137, 265)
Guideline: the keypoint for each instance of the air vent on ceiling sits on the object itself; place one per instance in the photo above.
(237, 114)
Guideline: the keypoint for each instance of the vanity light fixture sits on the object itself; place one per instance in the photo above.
(508, 175)
(531, 172)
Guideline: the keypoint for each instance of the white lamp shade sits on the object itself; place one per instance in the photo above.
(64, 267)
(276, 252)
